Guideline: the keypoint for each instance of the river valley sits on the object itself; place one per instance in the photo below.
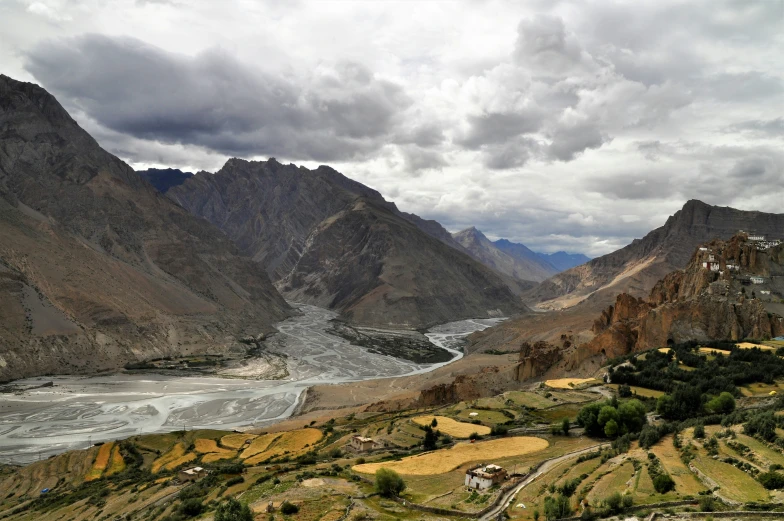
(78, 410)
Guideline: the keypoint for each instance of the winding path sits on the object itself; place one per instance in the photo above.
(503, 502)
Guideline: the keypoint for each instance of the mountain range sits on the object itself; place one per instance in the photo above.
(331, 241)
(97, 268)
(635, 268)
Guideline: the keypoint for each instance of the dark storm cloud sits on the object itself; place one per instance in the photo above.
(568, 142)
(632, 186)
(510, 155)
(216, 102)
(496, 127)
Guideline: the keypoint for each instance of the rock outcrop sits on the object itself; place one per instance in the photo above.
(331, 241)
(706, 301)
(98, 269)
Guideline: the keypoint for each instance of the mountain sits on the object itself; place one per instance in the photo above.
(635, 268)
(164, 178)
(700, 303)
(328, 240)
(563, 261)
(98, 269)
(516, 266)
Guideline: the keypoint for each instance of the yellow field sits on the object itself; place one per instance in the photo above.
(445, 460)
(117, 463)
(686, 483)
(760, 389)
(641, 391)
(568, 383)
(101, 462)
(710, 350)
(452, 427)
(173, 458)
(259, 444)
(664, 349)
(749, 345)
(212, 457)
(290, 443)
(236, 441)
(206, 446)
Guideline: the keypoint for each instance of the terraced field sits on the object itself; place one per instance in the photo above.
(444, 460)
(734, 484)
(452, 427)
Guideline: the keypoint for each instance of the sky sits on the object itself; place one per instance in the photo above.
(563, 125)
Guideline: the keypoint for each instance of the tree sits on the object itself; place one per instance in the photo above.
(632, 415)
(557, 507)
(536, 515)
(761, 425)
(565, 426)
(191, 507)
(388, 483)
(624, 391)
(434, 423)
(724, 403)
(288, 508)
(699, 431)
(430, 440)
(771, 480)
(649, 436)
(233, 510)
(663, 483)
(611, 429)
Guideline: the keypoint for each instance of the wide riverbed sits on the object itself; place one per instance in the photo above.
(78, 410)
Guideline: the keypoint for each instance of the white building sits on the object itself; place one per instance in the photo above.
(732, 267)
(484, 477)
(192, 474)
(756, 237)
(757, 280)
(361, 443)
(703, 248)
(765, 292)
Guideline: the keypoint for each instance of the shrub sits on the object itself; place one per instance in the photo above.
(707, 504)
(389, 483)
(499, 430)
(233, 510)
(235, 480)
(288, 508)
(557, 507)
(565, 426)
(191, 507)
(360, 461)
(474, 436)
(771, 480)
(663, 483)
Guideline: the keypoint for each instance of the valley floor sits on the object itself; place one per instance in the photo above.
(77, 411)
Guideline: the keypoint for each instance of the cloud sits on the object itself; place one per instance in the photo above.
(214, 101)
(760, 127)
(568, 142)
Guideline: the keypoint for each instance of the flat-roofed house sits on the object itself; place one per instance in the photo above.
(192, 474)
(483, 477)
(361, 443)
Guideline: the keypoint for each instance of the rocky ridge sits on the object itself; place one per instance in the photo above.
(697, 303)
(635, 268)
(333, 242)
(97, 269)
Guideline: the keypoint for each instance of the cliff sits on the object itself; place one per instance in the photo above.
(713, 298)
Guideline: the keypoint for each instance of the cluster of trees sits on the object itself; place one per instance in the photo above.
(612, 419)
(662, 371)
(687, 402)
